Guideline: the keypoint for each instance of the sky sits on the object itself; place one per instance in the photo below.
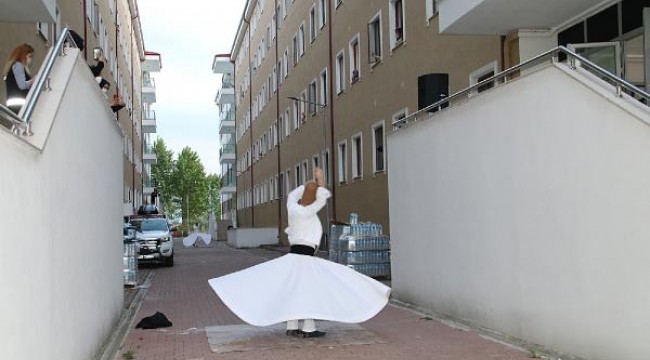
(188, 33)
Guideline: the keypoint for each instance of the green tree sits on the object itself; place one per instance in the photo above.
(190, 186)
(214, 185)
(162, 175)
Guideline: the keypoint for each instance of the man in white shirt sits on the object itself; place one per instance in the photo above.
(305, 232)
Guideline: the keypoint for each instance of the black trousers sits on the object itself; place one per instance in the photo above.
(302, 250)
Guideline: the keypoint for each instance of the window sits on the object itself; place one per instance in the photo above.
(303, 106)
(286, 122)
(357, 156)
(312, 24)
(315, 161)
(295, 50)
(431, 8)
(326, 166)
(297, 176)
(281, 131)
(374, 39)
(378, 156)
(342, 161)
(280, 185)
(287, 182)
(284, 9)
(296, 115)
(43, 29)
(323, 87)
(323, 13)
(312, 98)
(354, 59)
(396, 15)
(301, 40)
(340, 72)
(305, 171)
(481, 74)
(285, 62)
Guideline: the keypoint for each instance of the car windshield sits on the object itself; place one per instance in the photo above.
(151, 225)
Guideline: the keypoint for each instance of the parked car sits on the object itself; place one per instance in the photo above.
(148, 209)
(154, 239)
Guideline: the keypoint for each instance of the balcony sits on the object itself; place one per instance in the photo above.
(152, 62)
(501, 16)
(149, 122)
(148, 90)
(227, 122)
(228, 184)
(226, 95)
(149, 155)
(147, 185)
(28, 11)
(227, 154)
(222, 64)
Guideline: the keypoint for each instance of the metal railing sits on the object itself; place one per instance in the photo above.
(149, 115)
(148, 82)
(42, 83)
(573, 59)
(227, 149)
(227, 115)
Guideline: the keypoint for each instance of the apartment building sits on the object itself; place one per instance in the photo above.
(318, 83)
(114, 27)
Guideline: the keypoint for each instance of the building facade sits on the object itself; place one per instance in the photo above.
(320, 84)
(114, 27)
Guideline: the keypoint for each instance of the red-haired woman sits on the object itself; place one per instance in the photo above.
(17, 76)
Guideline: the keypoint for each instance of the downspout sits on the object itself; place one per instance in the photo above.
(85, 10)
(277, 116)
(331, 105)
(250, 117)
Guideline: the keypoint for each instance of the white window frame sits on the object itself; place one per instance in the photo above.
(374, 58)
(355, 64)
(312, 24)
(326, 165)
(482, 71)
(304, 169)
(357, 169)
(296, 115)
(379, 124)
(297, 180)
(287, 182)
(394, 43)
(315, 161)
(301, 39)
(285, 60)
(342, 162)
(287, 122)
(322, 10)
(340, 72)
(431, 10)
(313, 97)
(324, 82)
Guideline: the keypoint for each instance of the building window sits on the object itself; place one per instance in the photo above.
(354, 60)
(340, 73)
(312, 97)
(378, 156)
(431, 8)
(326, 166)
(295, 50)
(284, 9)
(315, 161)
(323, 12)
(481, 74)
(296, 115)
(287, 127)
(323, 87)
(287, 182)
(297, 175)
(374, 39)
(285, 63)
(396, 15)
(301, 40)
(305, 171)
(343, 154)
(357, 156)
(312, 24)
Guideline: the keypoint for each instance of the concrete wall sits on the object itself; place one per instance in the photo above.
(532, 222)
(252, 237)
(60, 217)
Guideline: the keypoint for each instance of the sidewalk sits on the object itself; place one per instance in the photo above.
(183, 295)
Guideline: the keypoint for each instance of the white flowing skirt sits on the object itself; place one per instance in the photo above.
(193, 237)
(294, 287)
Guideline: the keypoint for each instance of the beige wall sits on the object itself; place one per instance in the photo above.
(382, 90)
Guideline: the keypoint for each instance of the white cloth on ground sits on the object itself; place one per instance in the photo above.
(193, 237)
(300, 287)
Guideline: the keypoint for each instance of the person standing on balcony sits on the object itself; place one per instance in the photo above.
(17, 76)
(299, 286)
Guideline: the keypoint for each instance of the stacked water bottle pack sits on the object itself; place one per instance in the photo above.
(361, 246)
(130, 262)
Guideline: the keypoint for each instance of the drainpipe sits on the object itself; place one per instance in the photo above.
(250, 117)
(331, 105)
(85, 31)
(277, 116)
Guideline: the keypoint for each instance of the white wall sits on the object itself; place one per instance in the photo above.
(533, 43)
(60, 218)
(526, 210)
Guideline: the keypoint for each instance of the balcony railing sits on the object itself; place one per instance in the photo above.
(148, 83)
(228, 149)
(148, 149)
(574, 60)
(227, 115)
(149, 115)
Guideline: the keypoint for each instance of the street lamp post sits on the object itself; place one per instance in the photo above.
(329, 161)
